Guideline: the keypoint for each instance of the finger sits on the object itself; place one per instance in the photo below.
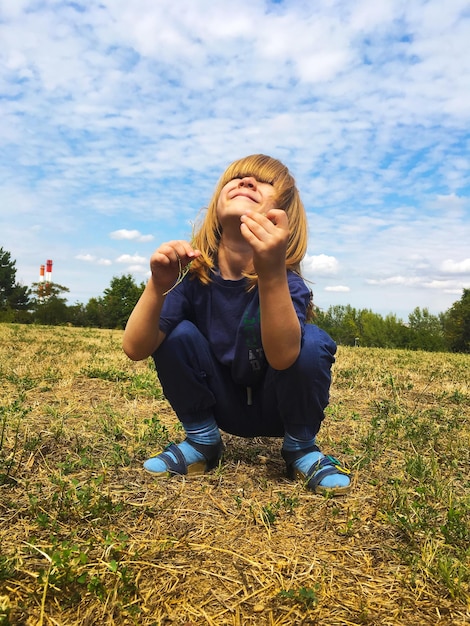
(168, 251)
(248, 233)
(259, 218)
(261, 228)
(179, 251)
(161, 256)
(186, 253)
(273, 219)
(277, 217)
(189, 251)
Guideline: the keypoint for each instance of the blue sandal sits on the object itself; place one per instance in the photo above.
(326, 466)
(212, 455)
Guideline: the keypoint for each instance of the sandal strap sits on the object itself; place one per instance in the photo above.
(174, 467)
(212, 452)
(327, 466)
(290, 456)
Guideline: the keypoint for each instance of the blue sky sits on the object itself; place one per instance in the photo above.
(119, 117)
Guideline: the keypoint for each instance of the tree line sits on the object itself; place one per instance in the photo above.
(448, 331)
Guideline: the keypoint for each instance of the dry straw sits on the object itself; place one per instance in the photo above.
(87, 537)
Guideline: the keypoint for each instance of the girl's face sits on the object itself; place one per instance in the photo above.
(245, 194)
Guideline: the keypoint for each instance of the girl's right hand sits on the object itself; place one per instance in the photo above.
(168, 261)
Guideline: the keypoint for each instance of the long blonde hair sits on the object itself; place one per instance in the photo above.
(267, 170)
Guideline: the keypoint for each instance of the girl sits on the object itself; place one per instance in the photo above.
(230, 339)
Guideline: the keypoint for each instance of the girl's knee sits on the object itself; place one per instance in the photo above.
(318, 349)
(184, 330)
(185, 346)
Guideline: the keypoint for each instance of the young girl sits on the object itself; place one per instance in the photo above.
(230, 340)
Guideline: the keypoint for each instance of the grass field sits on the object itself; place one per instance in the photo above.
(87, 537)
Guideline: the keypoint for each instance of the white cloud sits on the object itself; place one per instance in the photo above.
(456, 267)
(338, 289)
(320, 265)
(394, 280)
(138, 269)
(131, 259)
(130, 235)
(90, 258)
(449, 286)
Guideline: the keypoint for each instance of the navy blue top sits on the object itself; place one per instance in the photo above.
(229, 318)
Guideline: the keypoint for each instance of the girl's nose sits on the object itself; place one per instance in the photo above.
(248, 181)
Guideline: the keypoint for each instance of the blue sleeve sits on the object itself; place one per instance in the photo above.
(301, 296)
(176, 307)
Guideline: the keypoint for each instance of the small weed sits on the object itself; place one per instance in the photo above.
(304, 596)
(5, 610)
(65, 573)
(456, 528)
(238, 501)
(111, 426)
(348, 529)
(85, 501)
(106, 373)
(7, 567)
(142, 385)
(22, 383)
(457, 397)
(97, 587)
(452, 571)
(155, 432)
(268, 514)
(11, 419)
(289, 503)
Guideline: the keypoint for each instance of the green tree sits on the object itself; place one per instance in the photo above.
(119, 300)
(76, 314)
(94, 313)
(321, 319)
(52, 309)
(396, 331)
(457, 324)
(341, 322)
(371, 329)
(426, 332)
(13, 296)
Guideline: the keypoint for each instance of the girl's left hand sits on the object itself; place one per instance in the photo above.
(268, 236)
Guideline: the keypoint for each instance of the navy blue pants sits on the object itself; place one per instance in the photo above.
(198, 386)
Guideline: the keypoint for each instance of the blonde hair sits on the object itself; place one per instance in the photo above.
(266, 170)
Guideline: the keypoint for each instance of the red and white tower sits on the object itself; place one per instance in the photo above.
(48, 277)
(49, 271)
(41, 283)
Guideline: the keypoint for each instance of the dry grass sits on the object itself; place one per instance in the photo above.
(87, 537)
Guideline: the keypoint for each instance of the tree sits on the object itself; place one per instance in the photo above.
(396, 331)
(457, 324)
(94, 313)
(119, 300)
(76, 314)
(426, 331)
(349, 326)
(341, 322)
(13, 296)
(51, 310)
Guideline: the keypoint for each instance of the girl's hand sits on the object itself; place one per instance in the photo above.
(268, 236)
(168, 261)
